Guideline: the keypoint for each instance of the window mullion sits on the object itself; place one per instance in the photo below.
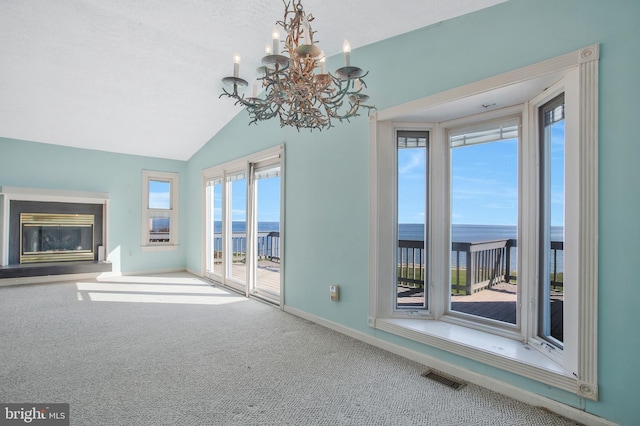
(440, 240)
(527, 223)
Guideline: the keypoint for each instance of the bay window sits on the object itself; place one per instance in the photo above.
(481, 245)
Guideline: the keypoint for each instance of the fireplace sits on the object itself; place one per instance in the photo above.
(41, 232)
(45, 233)
(47, 237)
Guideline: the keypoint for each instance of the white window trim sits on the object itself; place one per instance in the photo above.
(173, 178)
(579, 377)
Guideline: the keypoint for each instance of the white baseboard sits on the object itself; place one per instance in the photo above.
(472, 377)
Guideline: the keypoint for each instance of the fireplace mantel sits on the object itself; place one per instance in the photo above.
(55, 195)
(9, 194)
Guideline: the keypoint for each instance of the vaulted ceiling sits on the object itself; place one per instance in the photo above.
(143, 76)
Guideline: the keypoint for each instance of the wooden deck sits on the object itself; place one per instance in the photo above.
(496, 303)
(268, 279)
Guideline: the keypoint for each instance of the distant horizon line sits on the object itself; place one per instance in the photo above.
(472, 224)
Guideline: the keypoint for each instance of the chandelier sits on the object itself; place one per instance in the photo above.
(297, 89)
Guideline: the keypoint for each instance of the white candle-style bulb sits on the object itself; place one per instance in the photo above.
(275, 36)
(358, 85)
(236, 66)
(346, 48)
(305, 37)
(322, 63)
(255, 90)
(267, 49)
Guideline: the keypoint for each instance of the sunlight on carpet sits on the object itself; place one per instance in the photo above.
(152, 289)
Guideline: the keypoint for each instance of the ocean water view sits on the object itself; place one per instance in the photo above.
(237, 226)
(240, 227)
(471, 233)
(239, 231)
(478, 233)
(415, 232)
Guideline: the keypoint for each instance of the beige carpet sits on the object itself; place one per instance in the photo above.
(175, 350)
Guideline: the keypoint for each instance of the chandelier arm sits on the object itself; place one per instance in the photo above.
(225, 93)
(341, 92)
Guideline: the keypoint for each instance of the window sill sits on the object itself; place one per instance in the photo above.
(167, 247)
(497, 351)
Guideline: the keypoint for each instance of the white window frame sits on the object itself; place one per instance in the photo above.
(444, 192)
(246, 165)
(174, 180)
(568, 354)
(575, 370)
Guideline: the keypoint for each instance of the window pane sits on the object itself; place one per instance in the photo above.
(214, 196)
(267, 244)
(552, 221)
(484, 218)
(159, 226)
(412, 192)
(237, 186)
(159, 194)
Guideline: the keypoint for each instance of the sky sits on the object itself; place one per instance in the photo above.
(268, 200)
(484, 182)
(159, 195)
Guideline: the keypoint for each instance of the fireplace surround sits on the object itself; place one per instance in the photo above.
(52, 232)
(47, 218)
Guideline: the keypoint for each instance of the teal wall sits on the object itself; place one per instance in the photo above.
(43, 166)
(327, 173)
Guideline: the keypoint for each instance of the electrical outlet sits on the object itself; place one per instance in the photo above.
(334, 291)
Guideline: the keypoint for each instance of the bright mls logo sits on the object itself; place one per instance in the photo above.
(34, 414)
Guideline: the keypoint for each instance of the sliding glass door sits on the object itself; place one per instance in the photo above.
(236, 225)
(213, 227)
(243, 224)
(266, 200)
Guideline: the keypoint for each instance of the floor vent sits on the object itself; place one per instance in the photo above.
(441, 378)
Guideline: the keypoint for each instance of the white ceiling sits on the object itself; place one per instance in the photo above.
(143, 76)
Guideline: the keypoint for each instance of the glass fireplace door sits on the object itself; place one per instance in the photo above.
(47, 237)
